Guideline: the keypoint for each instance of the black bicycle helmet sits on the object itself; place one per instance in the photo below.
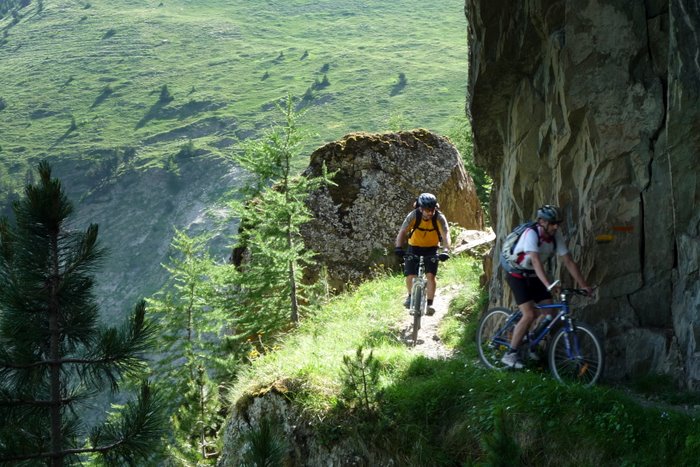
(550, 213)
(427, 200)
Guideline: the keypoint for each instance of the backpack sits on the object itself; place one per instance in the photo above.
(508, 259)
(417, 219)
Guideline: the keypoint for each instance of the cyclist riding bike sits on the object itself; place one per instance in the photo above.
(529, 282)
(425, 229)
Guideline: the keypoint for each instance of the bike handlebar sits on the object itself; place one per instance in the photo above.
(440, 256)
(572, 291)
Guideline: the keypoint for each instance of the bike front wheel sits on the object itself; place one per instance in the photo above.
(576, 356)
(493, 336)
(416, 308)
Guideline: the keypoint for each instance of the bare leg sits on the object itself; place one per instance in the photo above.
(409, 282)
(430, 287)
(529, 313)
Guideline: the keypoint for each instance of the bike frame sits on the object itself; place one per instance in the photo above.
(533, 340)
(419, 292)
(420, 281)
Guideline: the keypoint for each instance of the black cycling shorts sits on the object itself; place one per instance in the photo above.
(410, 267)
(527, 289)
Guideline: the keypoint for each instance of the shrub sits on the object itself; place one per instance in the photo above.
(165, 96)
(360, 381)
(308, 95)
(500, 446)
(400, 84)
(186, 150)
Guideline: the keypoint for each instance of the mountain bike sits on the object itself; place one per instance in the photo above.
(419, 298)
(574, 352)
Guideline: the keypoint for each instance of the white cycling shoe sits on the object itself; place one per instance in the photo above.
(511, 360)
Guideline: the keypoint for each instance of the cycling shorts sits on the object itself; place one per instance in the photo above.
(411, 260)
(527, 289)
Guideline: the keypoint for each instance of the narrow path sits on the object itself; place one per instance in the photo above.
(429, 344)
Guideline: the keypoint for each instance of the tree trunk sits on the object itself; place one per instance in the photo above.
(55, 356)
(292, 282)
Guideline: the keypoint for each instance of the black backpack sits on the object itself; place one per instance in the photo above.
(417, 219)
(507, 258)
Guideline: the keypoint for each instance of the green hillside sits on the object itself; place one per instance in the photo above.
(446, 412)
(80, 79)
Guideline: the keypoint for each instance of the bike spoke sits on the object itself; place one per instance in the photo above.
(576, 357)
(492, 340)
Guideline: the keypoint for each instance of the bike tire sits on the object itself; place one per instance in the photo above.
(416, 303)
(491, 351)
(584, 365)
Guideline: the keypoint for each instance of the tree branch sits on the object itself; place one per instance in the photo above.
(81, 361)
(63, 453)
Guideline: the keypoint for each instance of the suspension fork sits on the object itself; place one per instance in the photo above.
(571, 339)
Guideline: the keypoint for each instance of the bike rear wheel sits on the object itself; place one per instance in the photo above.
(416, 308)
(576, 357)
(492, 339)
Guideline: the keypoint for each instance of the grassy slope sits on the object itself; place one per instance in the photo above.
(102, 63)
(435, 412)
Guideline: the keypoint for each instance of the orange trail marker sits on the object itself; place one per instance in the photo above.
(623, 228)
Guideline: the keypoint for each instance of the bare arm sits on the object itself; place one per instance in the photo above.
(539, 268)
(445, 227)
(401, 238)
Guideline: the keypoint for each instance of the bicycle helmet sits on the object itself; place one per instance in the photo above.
(549, 213)
(427, 200)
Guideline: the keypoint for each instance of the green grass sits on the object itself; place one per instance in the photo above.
(79, 78)
(440, 412)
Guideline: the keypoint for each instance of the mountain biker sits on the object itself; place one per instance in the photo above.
(529, 283)
(424, 237)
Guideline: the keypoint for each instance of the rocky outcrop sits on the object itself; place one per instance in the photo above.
(378, 177)
(271, 408)
(594, 105)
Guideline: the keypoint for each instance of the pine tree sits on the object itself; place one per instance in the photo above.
(500, 447)
(271, 292)
(190, 342)
(53, 354)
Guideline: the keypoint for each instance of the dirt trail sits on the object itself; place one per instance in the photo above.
(429, 344)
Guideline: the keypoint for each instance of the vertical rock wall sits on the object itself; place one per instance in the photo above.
(593, 105)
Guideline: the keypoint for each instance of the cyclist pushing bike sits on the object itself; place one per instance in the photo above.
(524, 263)
(425, 229)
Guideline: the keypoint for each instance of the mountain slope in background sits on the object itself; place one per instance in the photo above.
(136, 103)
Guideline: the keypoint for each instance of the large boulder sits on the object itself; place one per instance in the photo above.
(378, 177)
(595, 106)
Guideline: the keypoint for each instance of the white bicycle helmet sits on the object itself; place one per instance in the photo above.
(550, 213)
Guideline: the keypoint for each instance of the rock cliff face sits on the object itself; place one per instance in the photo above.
(378, 178)
(594, 105)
